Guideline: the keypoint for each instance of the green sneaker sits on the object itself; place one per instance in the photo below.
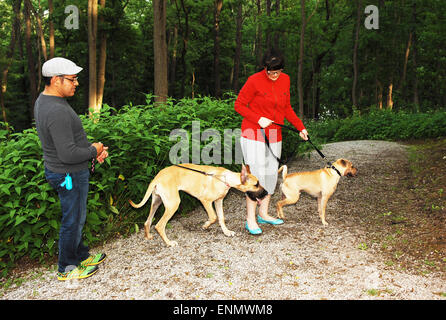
(80, 272)
(93, 260)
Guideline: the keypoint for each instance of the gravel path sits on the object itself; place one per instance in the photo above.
(298, 260)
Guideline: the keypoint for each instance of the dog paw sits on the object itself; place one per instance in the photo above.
(172, 244)
(229, 233)
(206, 225)
(148, 236)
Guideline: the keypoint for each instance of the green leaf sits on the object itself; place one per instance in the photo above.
(114, 210)
(53, 223)
(19, 220)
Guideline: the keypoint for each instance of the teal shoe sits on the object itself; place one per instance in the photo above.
(253, 231)
(273, 222)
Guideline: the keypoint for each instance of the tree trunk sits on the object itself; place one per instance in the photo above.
(160, 51)
(51, 26)
(389, 96)
(102, 61)
(379, 88)
(40, 32)
(238, 47)
(258, 41)
(406, 59)
(355, 54)
(300, 61)
(277, 34)
(184, 49)
(30, 57)
(92, 34)
(217, 10)
(9, 54)
(304, 22)
(268, 31)
(416, 99)
(173, 59)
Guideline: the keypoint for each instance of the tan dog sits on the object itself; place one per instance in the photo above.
(208, 185)
(320, 184)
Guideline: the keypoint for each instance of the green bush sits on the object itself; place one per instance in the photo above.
(381, 125)
(139, 145)
(138, 141)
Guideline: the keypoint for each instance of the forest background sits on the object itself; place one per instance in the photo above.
(337, 64)
(154, 66)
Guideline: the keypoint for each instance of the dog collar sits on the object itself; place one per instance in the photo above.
(334, 168)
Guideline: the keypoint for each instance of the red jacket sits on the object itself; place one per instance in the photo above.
(262, 97)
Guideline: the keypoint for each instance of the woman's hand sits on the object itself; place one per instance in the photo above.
(304, 134)
(264, 122)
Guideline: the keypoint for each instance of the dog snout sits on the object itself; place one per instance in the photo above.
(352, 172)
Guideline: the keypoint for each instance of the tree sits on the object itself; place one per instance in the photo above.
(217, 11)
(160, 50)
(9, 56)
(96, 75)
(102, 59)
(30, 57)
(238, 46)
(355, 53)
(305, 21)
(51, 27)
(92, 34)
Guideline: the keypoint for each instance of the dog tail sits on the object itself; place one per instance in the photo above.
(146, 196)
(284, 170)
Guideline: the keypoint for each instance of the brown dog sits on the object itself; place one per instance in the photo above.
(206, 183)
(320, 184)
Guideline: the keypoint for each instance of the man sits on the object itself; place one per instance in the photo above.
(66, 155)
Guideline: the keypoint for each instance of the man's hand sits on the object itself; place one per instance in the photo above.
(103, 155)
(99, 147)
(264, 122)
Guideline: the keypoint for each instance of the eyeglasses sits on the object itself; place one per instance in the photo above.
(274, 73)
(73, 80)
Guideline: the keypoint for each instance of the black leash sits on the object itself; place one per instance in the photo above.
(309, 140)
(205, 173)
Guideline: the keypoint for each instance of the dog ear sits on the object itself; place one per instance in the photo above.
(244, 173)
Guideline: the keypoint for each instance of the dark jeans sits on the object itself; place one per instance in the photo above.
(74, 212)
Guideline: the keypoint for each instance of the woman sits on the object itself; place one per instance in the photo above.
(263, 100)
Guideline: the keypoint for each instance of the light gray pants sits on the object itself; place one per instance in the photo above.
(261, 162)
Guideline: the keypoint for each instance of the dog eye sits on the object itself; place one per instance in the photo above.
(257, 184)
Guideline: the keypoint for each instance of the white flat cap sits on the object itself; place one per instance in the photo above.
(59, 67)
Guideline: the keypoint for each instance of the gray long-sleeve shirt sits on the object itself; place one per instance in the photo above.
(64, 141)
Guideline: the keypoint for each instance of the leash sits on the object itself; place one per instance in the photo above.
(205, 173)
(329, 165)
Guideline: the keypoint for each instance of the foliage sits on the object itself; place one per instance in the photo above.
(139, 145)
(382, 125)
(405, 26)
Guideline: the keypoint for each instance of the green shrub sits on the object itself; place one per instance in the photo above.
(139, 145)
(138, 141)
(381, 125)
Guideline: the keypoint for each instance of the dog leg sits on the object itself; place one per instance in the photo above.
(212, 217)
(322, 205)
(171, 203)
(156, 201)
(284, 202)
(221, 218)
